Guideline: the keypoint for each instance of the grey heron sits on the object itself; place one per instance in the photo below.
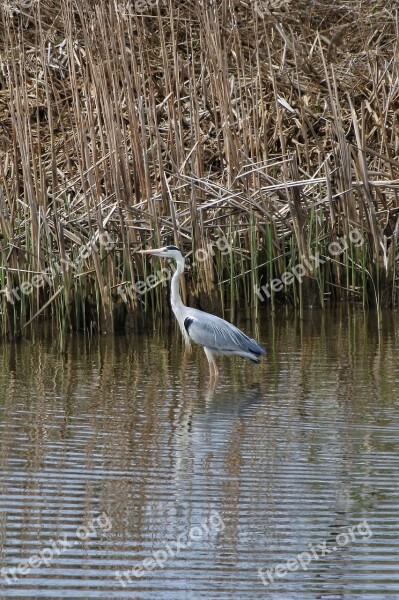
(215, 335)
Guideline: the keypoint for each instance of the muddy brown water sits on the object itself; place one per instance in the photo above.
(124, 475)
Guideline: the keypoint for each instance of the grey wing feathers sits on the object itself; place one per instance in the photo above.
(212, 332)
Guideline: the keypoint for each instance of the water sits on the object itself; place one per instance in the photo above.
(119, 453)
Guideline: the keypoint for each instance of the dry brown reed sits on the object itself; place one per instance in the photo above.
(271, 123)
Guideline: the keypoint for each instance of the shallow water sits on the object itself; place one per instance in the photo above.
(119, 452)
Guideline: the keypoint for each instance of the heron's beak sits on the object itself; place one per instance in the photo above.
(155, 251)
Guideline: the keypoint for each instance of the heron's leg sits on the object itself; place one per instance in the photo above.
(187, 347)
(213, 369)
(210, 360)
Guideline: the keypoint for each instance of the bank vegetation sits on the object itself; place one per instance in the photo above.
(272, 124)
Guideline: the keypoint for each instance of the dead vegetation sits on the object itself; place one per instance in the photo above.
(273, 124)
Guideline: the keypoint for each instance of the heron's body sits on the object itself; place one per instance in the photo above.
(215, 335)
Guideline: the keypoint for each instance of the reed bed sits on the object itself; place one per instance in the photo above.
(270, 124)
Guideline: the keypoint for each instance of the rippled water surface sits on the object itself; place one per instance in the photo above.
(124, 475)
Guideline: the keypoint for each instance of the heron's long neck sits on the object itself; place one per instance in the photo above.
(175, 298)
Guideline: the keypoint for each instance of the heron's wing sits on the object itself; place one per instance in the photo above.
(212, 332)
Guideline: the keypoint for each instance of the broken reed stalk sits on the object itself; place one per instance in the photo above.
(274, 130)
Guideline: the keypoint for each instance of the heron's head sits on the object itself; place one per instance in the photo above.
(165, 252)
